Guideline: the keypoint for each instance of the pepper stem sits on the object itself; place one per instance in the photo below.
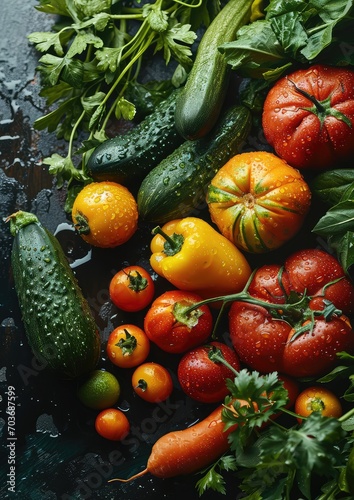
(173, 244)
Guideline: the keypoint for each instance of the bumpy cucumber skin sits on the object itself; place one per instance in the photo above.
(127, 158)
(178, 185)
(58, 321)
(200, 102)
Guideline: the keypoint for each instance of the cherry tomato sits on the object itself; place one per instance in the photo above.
(258, 201)
(163, 327)
(152, 382)
(105, 214)
(292, 387)
(300, 340)
(320, 399)
(128, 346)
(308, 117)
(132, 289)
(112, 424)
(204, 379)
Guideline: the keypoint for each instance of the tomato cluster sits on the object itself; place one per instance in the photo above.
(298, 320)
(291, 318)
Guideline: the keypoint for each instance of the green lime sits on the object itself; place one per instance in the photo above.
(100, 390)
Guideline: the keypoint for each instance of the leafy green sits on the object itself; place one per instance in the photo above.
(292, 32)
(93, 56)
(336, 187)
(282, 458)
(252, 388)
(213, 478)
(330, 185)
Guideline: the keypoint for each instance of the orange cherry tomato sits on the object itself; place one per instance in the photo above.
(128, 346)
(316, 398)
(105, 214)
(112, 424)
(152, 382)
(163, 327)
(132, 289)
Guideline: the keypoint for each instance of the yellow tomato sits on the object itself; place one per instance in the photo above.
(105, 214)
(152, 382)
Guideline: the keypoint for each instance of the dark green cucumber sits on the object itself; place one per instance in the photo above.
(178, 185)
(201, 100)
(127, 158)
(58, 321)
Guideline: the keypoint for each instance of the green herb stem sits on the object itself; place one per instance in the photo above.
(346, 415)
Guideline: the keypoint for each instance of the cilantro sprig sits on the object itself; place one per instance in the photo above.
(94, 54)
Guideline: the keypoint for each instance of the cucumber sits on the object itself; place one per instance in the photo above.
(200, 102)
(59, 324)
(178, 185)
(127, 158)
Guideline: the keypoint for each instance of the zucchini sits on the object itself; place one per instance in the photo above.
(200, 102)
(179, 183)
(127, 158)
(59, 324)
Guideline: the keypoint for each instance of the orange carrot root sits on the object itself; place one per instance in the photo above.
(139, 474)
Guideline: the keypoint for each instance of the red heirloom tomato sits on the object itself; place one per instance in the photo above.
(132, 289)
(298, 319)
(258, 201)
(316, 398)
(308, 117)
(203, 379)
(168, 330)
(128, 346)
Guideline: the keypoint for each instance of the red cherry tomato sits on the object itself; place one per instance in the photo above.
(292, 387)
(203, 379)
(152, 382)
(128, 346)
(320, 399)
(132, 289)
(112, 424)
(163, 326)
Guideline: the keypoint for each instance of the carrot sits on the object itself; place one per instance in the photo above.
(188, 450)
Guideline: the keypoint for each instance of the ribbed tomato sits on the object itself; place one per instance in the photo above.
(308, 117)
(258, 201)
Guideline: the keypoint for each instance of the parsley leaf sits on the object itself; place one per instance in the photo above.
(264, 396)
(94, 53)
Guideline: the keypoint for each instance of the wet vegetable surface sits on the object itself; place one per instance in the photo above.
(57, 453)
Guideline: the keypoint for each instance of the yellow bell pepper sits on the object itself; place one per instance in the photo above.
(193, 256)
